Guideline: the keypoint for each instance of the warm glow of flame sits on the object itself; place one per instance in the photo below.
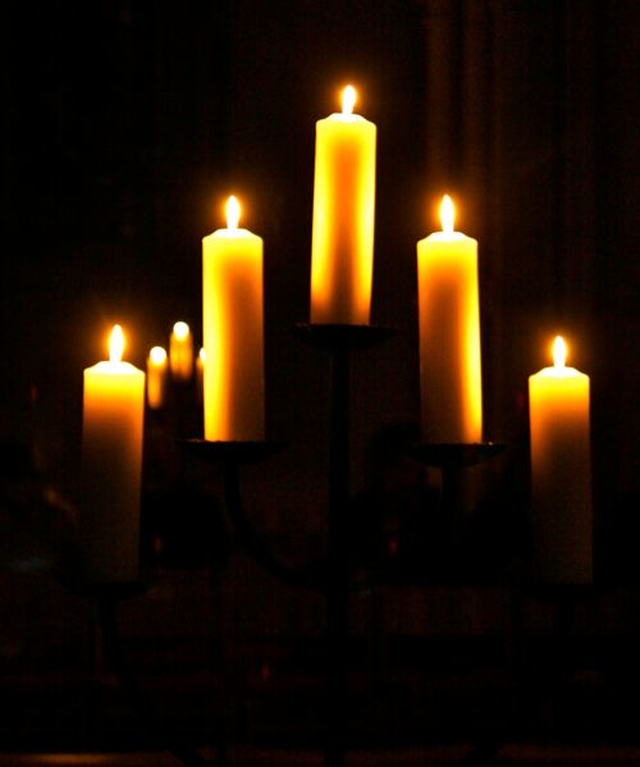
(116, 344)
(559, 352)
(181, 329)
(447, 214)
(158, 355)
(201, 355)
(348, 100)
(233, 212)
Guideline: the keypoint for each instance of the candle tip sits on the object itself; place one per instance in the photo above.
(181, 330)
(233, 212)
(116, 344)
(559, 352)
(158, 355)
(348, 100)
(447, 214)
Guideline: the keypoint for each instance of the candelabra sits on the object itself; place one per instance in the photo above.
(334, 579)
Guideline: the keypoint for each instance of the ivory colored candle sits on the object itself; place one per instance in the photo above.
(233, 329)
(157, 364)
(449, 324)
(559, 404)
(112, 432)
(181, 352)
(343, 217)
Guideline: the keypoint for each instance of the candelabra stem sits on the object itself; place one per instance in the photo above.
(337, 585)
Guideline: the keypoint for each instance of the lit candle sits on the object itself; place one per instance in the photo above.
(200, 376)
(559, 403)
(156, 377)
(112, 429)
(343, 217)
(449, 322)
(233, 332)
(181, 352)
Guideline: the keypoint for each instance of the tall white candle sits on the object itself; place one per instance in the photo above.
(112, 433)
(449, 321)
(233, 330)
(343, 217)
(559, 404)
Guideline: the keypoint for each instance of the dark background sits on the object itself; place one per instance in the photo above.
(125, 125)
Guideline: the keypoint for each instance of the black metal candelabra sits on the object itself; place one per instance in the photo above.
(334, 578)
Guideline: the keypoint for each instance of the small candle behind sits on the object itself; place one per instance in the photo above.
(181, 351)
(157, 363)
(200, 376)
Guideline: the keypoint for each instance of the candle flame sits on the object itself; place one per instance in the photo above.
(559, 352)
(348, 100)
(447, 214)
(158, 355)
(233, 212)
(201, 355)
(116, 344)
(181, 329)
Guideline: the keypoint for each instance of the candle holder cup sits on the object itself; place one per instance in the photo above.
(341, 336)
(455, 455)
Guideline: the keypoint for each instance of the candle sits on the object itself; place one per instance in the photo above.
(200, 376)
(449, 325)
(112, 428)
(559, 403)
(233, 332)
(156, 377)
(343, 217)
(181, 352)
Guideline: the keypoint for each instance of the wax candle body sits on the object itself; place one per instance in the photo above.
(157, 377)
(181, 352)
(233, 336)
(200, 376)
(113, 415)
(560, 476)
(343, 220)
(449, 324)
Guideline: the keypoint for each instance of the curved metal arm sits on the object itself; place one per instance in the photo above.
(256, 545)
